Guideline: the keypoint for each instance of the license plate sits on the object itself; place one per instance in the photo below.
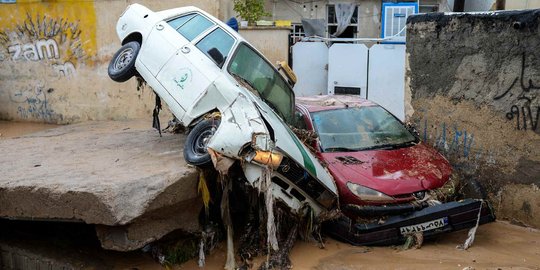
(426, 226)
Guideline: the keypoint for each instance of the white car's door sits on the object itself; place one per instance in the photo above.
(163, 42)
(196, 65)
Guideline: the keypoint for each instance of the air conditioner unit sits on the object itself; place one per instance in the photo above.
(394, 20)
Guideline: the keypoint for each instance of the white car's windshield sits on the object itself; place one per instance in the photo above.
(250, 67)
(363, 128)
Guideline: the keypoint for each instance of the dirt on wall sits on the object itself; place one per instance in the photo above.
(474, 84)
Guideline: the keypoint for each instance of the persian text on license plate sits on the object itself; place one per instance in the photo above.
(426, 226)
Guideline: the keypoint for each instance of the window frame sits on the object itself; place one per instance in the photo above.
(232, 51)
(351, 23)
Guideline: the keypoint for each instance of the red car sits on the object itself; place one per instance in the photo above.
(379, 166)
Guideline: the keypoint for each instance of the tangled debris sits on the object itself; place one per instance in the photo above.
(472, 232)
(413, 240)
(174, 126)
(308, 137)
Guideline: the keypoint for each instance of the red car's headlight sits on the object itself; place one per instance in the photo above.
(367, 194)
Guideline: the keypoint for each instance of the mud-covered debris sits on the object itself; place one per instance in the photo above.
(413, 240)
(172, 251)
(174, 126)
(289, 226)
(412, 128)
(202, 257)
(141, 84)
(472, 232)
(280, 259)
(451, 191)
(308, 137)
(349, 160)
(203, 190)
(227, 221)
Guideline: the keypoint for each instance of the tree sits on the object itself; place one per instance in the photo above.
(250, 10)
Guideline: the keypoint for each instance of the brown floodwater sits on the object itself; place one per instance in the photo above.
(497, 245)
(14, 129)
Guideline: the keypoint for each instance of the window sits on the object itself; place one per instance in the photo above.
(428, 8)
(394, 20)
(217, 41)
(350, 31)
(250, 68)
(191, 25)
(297, 33)
(176, 23)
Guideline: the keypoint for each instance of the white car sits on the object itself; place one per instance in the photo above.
(235, 102)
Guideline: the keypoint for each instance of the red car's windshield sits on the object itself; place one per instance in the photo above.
(360, 128)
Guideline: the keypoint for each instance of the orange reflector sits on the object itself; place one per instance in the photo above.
(271, 159)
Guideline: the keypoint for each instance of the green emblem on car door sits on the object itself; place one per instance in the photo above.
(184, 78)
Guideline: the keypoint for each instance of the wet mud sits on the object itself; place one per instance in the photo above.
(16, 129)
(498, 245)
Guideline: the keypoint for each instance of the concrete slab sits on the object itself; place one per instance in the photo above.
(120, 175)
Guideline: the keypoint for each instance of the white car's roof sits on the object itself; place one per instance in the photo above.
(171, 13)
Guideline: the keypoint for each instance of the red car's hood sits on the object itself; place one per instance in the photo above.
(393, 172)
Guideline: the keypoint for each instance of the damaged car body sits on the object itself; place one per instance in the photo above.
(237, 106)
(387, 178)
(380, 168)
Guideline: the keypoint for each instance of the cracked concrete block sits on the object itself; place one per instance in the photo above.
(105, 173)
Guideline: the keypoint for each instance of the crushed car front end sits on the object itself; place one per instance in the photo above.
(251, 133)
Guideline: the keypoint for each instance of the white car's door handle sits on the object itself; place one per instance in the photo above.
(160, 27)
(185, 49)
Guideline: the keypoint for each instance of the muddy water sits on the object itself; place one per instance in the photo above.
(497, 245)
(15, 129)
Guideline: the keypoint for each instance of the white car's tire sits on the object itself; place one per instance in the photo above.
(195, 151)
(122, 65)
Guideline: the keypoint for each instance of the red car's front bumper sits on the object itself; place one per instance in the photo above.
(457, 215)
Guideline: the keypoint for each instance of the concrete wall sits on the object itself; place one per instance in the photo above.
(271, 41)
(474, 85)
(484, 5)
(520, 4)
(475, 5)
(54, 57)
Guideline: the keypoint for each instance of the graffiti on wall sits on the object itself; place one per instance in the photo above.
(42, 42)
(32, 102)
(456, 143)
(523, 95)
(42, 38)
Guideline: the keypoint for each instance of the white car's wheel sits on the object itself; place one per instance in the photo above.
(195, 147)
(122, 65)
